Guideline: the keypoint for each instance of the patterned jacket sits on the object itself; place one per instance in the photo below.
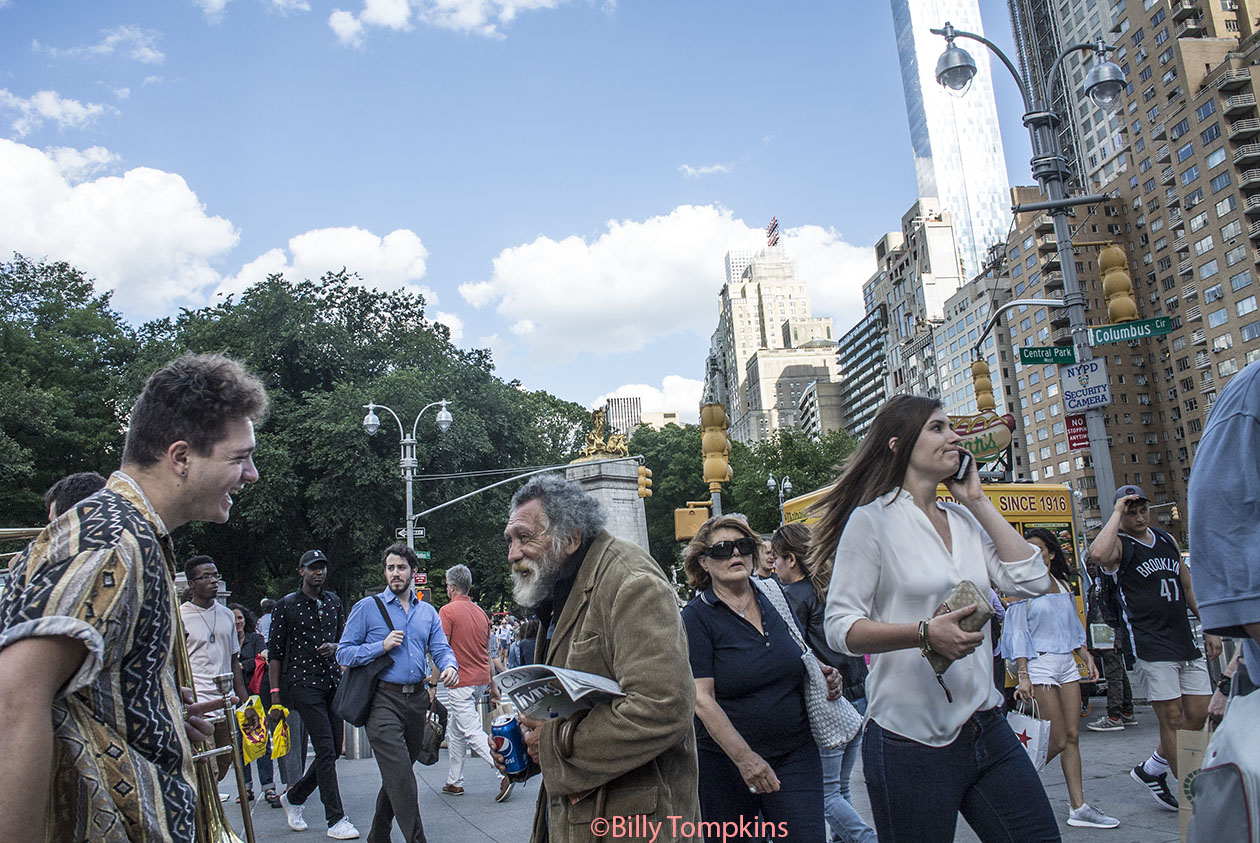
(103, 574)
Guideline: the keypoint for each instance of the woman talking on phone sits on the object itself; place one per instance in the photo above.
(889, 555)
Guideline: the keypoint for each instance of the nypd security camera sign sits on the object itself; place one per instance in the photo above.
(1085, 385)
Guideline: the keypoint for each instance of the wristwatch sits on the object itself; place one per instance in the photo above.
(430, 684)
(1225, 684)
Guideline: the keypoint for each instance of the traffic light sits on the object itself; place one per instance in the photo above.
(1117, 285)
(1176, 513)
(714, 445)
(645, 482)
(982, 385)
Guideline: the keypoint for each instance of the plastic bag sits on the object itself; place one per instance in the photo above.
(280, 735)
(253, 741)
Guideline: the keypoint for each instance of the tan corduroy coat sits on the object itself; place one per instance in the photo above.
(635, 757)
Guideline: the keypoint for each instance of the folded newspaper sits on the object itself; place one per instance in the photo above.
(542, 691)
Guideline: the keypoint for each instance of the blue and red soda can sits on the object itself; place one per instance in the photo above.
(509, 741)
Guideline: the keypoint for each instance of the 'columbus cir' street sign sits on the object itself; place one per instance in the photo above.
(1125, 331)
(1034, 354)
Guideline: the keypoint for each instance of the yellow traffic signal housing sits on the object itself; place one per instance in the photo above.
(1117, 285)
(983, 385)
(687, 522)
(714, 445)
(1176, 513)
(645, 482)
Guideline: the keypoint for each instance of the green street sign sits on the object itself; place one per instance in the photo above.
(424, 554)
(1062, 354)
(1125, 331)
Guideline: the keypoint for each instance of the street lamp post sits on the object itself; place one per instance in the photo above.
(784, 487)
(407, 461)
(1104, 84)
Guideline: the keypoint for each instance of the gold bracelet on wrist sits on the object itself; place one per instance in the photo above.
(925, 646)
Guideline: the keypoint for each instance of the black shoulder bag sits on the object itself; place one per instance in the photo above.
(353, 700)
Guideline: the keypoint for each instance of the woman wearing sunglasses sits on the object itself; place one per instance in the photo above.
(886, 554)
(756, 752)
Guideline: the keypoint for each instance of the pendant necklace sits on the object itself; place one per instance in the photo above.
(209, 628)
(744, 609)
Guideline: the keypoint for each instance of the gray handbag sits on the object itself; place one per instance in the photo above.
(833, 722)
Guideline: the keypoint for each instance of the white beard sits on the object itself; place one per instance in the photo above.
(531, 592)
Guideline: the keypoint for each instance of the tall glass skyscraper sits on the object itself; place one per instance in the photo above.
(957, 148)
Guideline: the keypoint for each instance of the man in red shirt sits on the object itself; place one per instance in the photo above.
(468, 630)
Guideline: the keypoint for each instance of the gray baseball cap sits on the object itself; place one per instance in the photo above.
(1125, 491)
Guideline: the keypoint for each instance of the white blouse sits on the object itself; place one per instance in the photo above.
(892, 566)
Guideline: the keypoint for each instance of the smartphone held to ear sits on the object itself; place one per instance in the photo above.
(964, 465)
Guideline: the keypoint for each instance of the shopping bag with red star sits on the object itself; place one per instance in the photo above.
(1032, 732)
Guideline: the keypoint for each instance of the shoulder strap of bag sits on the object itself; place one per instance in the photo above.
(380, 604)
(774, 593)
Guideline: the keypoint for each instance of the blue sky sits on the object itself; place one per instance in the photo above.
(561, 179)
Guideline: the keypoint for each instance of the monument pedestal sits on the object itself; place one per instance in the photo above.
(616, 486)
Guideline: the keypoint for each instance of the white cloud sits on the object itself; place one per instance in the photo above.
(391, 262)
(213, 9)
(122, 93)
(286, 6)
(675, 394)
(450, 320)
(642, 281)
(76, 165)
(477, 17)
(151, 80)
(347, 28)
(704, 170)
(50, 105)
(143, 234)
(136, 43)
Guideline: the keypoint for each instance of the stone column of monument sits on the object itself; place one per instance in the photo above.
(614, 484)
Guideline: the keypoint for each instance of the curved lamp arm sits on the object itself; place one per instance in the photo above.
(1101, 48)
(416, 425)
(949, 32)
(371, 408)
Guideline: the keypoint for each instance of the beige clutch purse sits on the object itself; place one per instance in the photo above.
(964, 594)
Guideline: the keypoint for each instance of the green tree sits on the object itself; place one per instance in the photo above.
(64, 354)
(324, 350)
(809, 463)
(673, 455)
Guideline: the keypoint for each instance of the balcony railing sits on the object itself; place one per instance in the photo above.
(1241, 129)
(1239, 103)
(1233, 79)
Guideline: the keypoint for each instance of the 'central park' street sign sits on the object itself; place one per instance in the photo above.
(1125, 331)
(1060, 354)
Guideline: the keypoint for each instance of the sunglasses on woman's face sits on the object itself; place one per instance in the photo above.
(725, 550)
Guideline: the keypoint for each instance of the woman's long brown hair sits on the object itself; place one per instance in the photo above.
(873, 470)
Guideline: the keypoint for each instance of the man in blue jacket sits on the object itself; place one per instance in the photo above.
(1225, 516)
(395, 725)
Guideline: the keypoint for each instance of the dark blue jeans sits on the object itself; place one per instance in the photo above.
(917, 791)
(796, 808)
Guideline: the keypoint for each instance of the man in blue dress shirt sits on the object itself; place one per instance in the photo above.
(395, 725)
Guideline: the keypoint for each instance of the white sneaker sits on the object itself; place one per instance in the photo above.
(1088, 816)
(343, 830)
(293, 813)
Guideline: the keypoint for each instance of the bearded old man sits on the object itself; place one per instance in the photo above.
(604, 607)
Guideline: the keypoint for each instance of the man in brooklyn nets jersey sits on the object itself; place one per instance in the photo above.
(1155, 592)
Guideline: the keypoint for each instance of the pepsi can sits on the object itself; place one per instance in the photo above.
(509, 741)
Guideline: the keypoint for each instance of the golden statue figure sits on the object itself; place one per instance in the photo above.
(597, 446)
